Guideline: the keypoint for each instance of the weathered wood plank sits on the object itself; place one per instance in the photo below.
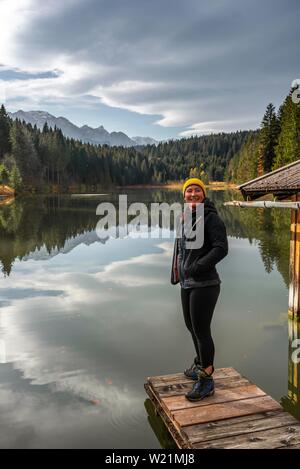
(289, 447)
(237, 426)
(221, 395)
(181, 388)
(168, 380)
(267, 439)
(209, 413)
(180, 378)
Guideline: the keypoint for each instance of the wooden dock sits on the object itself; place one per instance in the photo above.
(239, 414)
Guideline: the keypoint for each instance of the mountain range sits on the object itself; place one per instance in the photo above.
(97, 136)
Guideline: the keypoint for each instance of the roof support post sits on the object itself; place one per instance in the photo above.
(294, 289)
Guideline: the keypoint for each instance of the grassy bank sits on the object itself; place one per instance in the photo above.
(6, 191)
(214, 185)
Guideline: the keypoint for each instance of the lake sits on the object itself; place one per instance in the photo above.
(85, 320)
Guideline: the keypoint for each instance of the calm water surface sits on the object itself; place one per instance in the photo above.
(83, 320)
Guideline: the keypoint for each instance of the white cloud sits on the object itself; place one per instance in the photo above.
(26, 323)
(14, 15)
(201, 67)
(135, 272)
(201, 128)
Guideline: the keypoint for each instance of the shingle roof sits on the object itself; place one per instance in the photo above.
(284, 181)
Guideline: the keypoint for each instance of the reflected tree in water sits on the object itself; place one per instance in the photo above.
(32, 223)
(291, 402)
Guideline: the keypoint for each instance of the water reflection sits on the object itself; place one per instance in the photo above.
(41, 227)
(84, 320)
(291, 402)
(158, 427)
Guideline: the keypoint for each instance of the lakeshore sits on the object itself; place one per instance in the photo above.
(214, 185)
(6, 191)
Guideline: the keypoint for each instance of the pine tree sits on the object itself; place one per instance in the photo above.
(15, 179)
(3, 174)
(24, 153)
(244, 165)
(4, 132)
(288, 148)
(268, 139)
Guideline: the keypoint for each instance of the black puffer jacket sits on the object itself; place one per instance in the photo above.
(196, 267)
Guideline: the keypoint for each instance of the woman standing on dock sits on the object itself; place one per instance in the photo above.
(200, 283)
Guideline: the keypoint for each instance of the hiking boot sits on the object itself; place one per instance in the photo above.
(193, 371)
(204, 387)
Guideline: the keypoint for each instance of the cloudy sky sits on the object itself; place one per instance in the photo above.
(161, 68)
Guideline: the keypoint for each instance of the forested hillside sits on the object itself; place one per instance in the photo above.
(34, 158)
(276, 144)
(45, 159)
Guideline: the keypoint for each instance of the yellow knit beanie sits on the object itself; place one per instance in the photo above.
(196, 181)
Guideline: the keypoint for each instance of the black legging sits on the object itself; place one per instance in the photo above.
(198, 305)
